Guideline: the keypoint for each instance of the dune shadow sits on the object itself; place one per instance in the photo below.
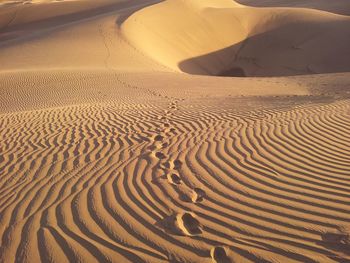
(340, 7)
(233, 72)
(294, 49)
(339, 242)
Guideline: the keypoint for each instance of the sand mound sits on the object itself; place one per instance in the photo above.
(224, 38)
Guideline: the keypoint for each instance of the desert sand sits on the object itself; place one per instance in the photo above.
(174, 131)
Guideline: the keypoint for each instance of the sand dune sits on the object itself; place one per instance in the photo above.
(109, 153)
(224, 38)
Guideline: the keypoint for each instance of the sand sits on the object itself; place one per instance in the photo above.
(174, 131)
(223, 38)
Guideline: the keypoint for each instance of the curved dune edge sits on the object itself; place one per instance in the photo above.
(225, 38)
(341, 7)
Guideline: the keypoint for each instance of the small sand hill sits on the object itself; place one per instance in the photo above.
(225, 38)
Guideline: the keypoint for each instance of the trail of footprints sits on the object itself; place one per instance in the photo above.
(275, 187)
(185, 223)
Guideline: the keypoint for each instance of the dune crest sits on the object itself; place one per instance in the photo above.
(202, 4)
(225, 38)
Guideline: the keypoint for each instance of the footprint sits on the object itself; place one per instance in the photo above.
(218, 255)
(152, 147)
(160, 155)
(158, 138)
(339, 241)
(174, 178)
(176, 164)
(198, 195)
(188, 224)
(164, 145)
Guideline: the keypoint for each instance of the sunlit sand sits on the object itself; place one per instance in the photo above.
(175, 131)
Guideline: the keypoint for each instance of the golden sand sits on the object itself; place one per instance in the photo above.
(120, 142)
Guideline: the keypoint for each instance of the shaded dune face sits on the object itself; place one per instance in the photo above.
(278, 52)
(227, 39)
(341, 7)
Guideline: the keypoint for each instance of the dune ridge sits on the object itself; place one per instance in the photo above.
(225, 38)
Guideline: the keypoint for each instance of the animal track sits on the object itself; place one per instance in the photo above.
(174, 178)
(188, 224)
(339, 241)
(158, 138)
(160, 155)
(185, 223)
(171, 165)
(198, 195)
(164, 145)
(218, 255)
(177, 164)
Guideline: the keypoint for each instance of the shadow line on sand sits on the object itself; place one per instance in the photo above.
(288, 50)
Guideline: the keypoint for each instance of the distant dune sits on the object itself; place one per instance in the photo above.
(341, 7)
(192, 131)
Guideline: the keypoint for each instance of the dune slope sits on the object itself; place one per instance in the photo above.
(225, 38)
(341, 7)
